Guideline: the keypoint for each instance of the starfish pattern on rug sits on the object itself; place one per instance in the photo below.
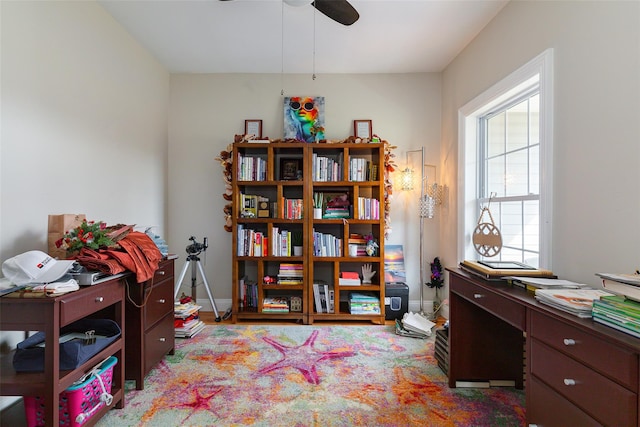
(199, 401)
(303, 357)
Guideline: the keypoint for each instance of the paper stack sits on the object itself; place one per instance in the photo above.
(578, 302)
(414, 325)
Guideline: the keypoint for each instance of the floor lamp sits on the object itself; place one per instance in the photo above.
(427, 203)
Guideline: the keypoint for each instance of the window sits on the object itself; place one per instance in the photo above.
(506, 165)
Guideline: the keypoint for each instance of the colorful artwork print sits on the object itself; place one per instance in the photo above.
(304, 118)
(394, 264)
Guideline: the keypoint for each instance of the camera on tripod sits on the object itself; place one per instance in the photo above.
(195, 248)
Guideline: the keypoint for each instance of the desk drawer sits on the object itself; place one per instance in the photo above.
(547, 408)
(501, 307)
(603, 399)
(615, 362)
(159, 304)
(164, 271)
(158, 341)
(89, 300)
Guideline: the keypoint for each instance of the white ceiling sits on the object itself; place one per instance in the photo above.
(265, 36)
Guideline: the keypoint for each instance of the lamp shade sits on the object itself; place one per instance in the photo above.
(406, 179)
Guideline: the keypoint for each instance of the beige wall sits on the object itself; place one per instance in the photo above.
(208, 110)
(596, 216)
(84, 124)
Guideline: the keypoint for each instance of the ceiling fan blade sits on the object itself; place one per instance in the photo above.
(339, 10)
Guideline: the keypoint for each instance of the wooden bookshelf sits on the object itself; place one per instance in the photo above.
(286, 177)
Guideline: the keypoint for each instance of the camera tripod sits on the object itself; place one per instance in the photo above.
(194, 261)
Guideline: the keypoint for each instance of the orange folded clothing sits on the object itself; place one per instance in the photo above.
(144, 254)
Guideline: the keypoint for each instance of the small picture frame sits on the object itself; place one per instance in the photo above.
(290, 169)
(253, 127)
(362, 129)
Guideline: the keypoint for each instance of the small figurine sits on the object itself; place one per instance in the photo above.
(367, 273)
(371, 248)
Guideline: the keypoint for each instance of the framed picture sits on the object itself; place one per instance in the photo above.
(253, 127)
(362, 129)
(290, 169)
(304, 118)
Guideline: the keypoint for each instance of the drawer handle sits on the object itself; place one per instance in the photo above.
(99, 299)
(569, 341)
(569, 381)
(162, 301)
(160, 273)
(478, 296)
(164, 339)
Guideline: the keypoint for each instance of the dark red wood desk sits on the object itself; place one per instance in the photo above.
(577, 372)
(23, 312)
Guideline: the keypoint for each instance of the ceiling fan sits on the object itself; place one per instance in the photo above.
(340, 11)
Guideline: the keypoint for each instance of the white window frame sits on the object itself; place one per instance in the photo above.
(541, 67)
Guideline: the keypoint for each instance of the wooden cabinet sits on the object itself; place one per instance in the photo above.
(274, 185)
(23, 312)
(581, 367)
(150, 334)
(577, 372)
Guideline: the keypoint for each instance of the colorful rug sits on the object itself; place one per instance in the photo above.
(256, 375)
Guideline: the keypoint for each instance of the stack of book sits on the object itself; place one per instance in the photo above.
(187, 321)
(532, 284)
(349, 278)
(324, 297)
(622, 284)
(618, 312)
(290, 274)
(578, 302)
(359, 242)
(337, 206)
(364, 303)
(275, 305)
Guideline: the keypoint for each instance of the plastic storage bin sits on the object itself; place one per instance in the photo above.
(79, 402)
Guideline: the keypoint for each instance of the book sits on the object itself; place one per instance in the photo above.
(578, 302)
(533, 283)
(318, 290)
(629, 291)
(607, 322)
(342, 281)
(364, 303)
(275, 305)
(191, 331)
(628, 279)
